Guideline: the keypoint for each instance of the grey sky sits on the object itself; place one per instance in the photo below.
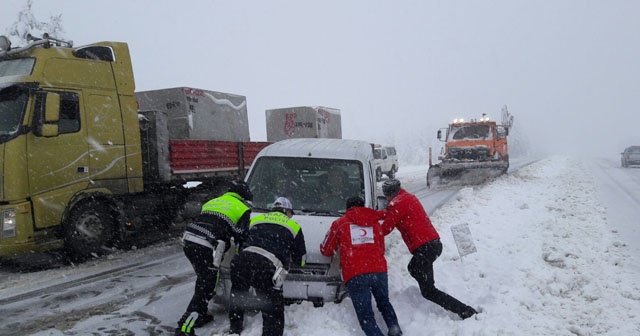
(398, 70)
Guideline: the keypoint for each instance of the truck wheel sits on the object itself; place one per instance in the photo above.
(88, 229)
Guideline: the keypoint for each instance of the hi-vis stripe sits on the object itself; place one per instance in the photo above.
(277, 218)
(225, 218)
(188, 324)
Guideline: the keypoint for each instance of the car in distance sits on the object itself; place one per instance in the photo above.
(630, 156)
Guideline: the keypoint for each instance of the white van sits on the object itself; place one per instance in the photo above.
(301, 170)
(385, 161)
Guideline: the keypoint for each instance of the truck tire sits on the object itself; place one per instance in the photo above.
(88, 229)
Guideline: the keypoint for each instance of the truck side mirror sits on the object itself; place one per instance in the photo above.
(52, 108)
(51, 115)
(439, 134)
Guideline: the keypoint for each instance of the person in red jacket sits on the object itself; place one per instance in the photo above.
(358, 235)
(405, 212)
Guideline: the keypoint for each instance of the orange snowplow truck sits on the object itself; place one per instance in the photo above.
(474, 151)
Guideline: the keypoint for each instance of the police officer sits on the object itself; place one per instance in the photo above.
(205, 241)
(274, 242)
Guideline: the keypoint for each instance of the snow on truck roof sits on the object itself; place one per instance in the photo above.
(321, 148)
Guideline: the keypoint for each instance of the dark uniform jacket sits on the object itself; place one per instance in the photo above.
(222, 218)
(280, 235)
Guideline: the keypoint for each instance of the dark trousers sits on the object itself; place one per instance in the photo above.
(421, 268)
(253, 270)
(360, 289)
(201, 258)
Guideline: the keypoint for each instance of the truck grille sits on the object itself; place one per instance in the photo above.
(478, 153)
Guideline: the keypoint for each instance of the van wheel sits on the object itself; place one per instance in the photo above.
(392, 173)
(88, 229)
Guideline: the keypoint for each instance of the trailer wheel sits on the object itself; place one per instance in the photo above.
(88, 229)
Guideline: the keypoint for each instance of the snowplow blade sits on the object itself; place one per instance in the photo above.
(466, 173)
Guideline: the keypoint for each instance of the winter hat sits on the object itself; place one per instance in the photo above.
(241, 188)
(282, 203)
(391, 187)
(355, 201)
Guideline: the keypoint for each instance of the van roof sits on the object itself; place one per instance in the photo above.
(321, 148)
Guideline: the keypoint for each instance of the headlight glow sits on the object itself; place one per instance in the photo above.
(8, 223)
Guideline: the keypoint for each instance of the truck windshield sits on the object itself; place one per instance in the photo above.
(13, 101)
(314, 186)
(17, 67)
(473, 132)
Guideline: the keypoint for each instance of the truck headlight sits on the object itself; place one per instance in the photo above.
(8, 223)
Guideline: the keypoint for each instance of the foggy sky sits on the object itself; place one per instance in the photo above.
(398, 70)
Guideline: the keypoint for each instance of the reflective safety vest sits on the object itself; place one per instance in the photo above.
(228, 206)
(277, 218)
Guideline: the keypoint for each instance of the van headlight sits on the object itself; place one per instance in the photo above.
(8, 223)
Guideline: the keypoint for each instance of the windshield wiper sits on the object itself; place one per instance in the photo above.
(260, 209)
(321, 212)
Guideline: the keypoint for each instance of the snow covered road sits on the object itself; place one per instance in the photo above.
(557, 255)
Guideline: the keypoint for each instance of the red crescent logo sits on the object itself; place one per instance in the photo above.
(364, 232)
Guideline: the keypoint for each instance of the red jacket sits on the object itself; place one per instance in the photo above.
(406, 213)
(359, 236)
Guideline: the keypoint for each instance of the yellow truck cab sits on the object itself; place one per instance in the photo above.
(82, 168)
(68, 134)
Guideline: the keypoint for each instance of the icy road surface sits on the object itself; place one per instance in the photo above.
(557, 255)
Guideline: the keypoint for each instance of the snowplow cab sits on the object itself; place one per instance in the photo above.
(474, 151)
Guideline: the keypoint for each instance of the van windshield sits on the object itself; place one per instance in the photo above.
(314, 186)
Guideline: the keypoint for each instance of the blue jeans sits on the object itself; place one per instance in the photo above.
(360, 289)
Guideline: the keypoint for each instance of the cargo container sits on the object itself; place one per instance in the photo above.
(198, 114)
(303, 122)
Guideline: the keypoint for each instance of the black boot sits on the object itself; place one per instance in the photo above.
(190, 321)
(202, 320)
(179, 332)
(467, 313)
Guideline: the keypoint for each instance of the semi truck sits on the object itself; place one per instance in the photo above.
(303, 122)
(83, 168)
